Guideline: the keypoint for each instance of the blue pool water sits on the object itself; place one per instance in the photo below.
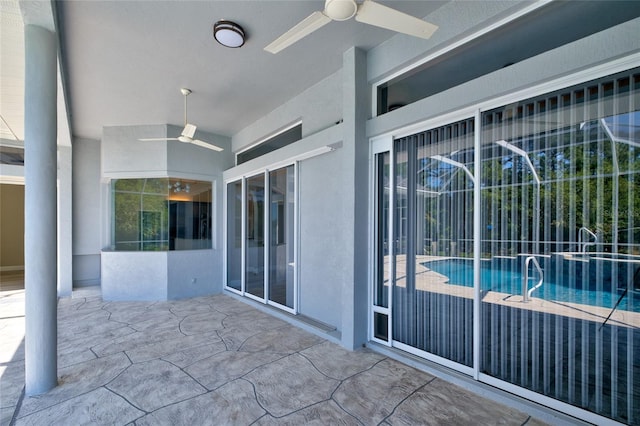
(574, 282)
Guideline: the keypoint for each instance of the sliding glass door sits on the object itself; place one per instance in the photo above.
(432, 309)
(255, 237)
(511, 246)
(561, 245)
(234, 235)
(261, 249)
(281, 236)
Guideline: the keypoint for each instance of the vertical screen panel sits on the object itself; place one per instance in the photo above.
(433, 288)
(560, 259)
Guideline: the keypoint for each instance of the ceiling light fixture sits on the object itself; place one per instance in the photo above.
(228, 33)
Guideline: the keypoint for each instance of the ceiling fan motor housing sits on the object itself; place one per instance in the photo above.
(340, 10)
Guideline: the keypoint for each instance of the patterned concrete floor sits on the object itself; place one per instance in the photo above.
(216, 360)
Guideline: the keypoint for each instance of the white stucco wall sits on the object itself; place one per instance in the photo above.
(121, 155)
(87, 212)
(65, 221)
(329, 236)
(134, 275)
(318, 107)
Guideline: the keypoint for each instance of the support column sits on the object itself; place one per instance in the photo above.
(355, 108)
(41, 330)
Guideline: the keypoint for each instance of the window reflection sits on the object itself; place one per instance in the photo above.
(159, 214)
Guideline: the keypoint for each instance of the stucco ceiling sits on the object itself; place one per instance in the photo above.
(125, 61)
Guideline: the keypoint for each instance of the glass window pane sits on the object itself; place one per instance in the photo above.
(281, 234)
(234, 235)
(161, 214)
(254, 272)
(381, 326)
(383, 180)
(560, 245)
(278, 141)
(190, 215)
(433, 288)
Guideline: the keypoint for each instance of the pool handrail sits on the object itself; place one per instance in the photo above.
(526, 292)
(582, 245)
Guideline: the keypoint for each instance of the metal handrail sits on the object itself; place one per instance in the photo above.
(582, 245)
(526, 293)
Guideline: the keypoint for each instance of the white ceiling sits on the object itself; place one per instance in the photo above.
(125, 61)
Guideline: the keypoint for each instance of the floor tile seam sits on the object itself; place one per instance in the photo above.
(12, 405)
(93, 350)
(84, 301)
(151, 342)
(62, 401)
(177, 315)
(11, 317)
(206, 389)
(199, 360)
(313, 404)
(204, 392)
(243, 376)
(529, 418)
(96, 358)
(97, 336)
(351, 376)
(365, 370)
(120, 373)
(186, 348)
(127, 401)
(361, 421)
(255, 395)
(176, 402)
(406, 398)
(245, 340)
(183, 348)
(65, 366)
(17, 407)
(8, 363)
(224, 342)
(258, 419)
(318, 370)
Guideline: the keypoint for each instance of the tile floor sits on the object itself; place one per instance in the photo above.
(216, 360)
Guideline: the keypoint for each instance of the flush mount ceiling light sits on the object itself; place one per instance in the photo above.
(228, 33)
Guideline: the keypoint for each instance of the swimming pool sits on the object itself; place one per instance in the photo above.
(564, 281)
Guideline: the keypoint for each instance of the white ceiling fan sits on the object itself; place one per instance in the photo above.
(368, 12)
(188, 132)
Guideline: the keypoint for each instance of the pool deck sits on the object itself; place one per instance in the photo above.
(218, 360)
(428, 280)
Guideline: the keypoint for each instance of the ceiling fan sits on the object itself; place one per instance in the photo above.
(188, 132)
(368, 12)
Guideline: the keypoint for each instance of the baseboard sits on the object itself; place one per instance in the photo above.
(11, 268)
(86, 283)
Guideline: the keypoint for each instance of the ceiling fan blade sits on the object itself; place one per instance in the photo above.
(372, 13)
(189, 131)
(157, 139)
(206, 145)
(307, 26)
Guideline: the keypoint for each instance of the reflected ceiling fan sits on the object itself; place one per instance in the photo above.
(368, 12)
(188, 132)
